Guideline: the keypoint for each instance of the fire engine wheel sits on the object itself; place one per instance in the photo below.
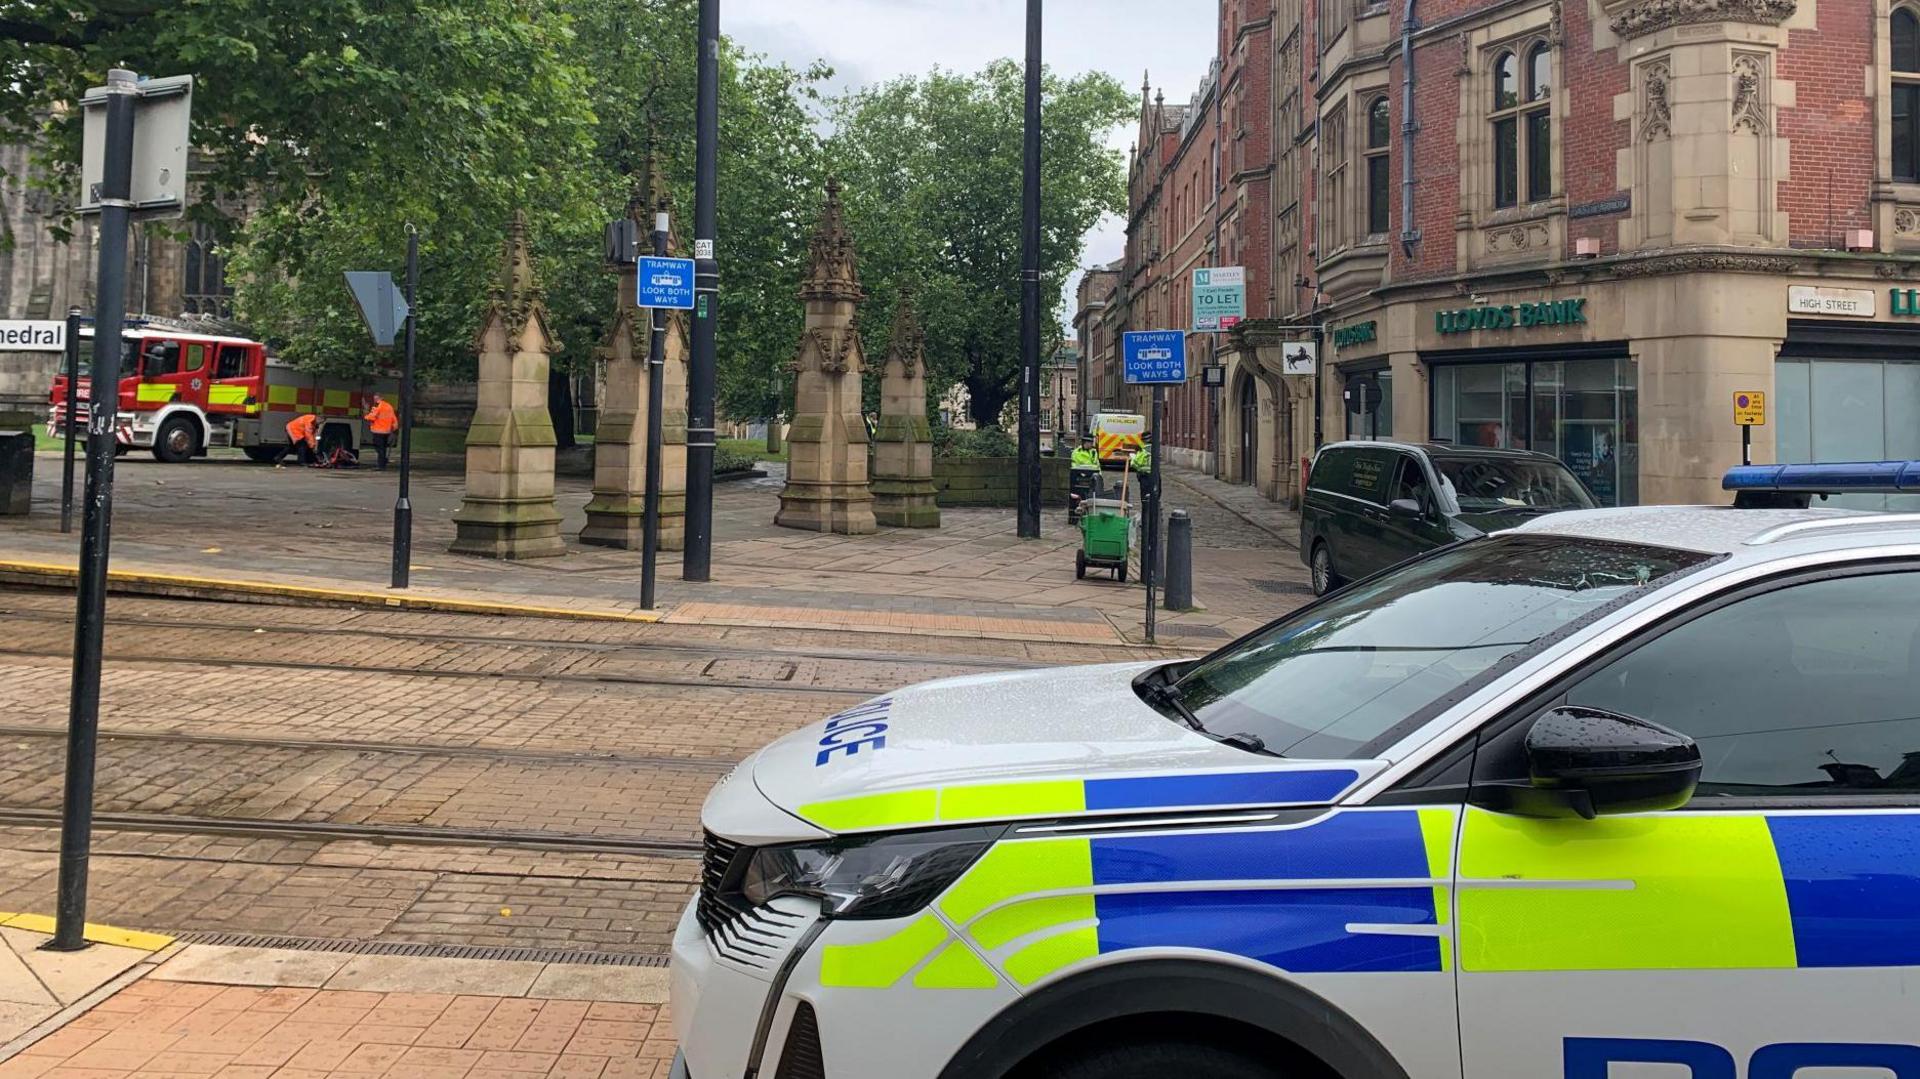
(261, 455)
(177, 440)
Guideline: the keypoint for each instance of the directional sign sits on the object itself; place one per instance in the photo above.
(1750, 408)
(1155, 357)
(1219, 298)
(666, 283)
(161, 139)
(381, 304)
(32, 336)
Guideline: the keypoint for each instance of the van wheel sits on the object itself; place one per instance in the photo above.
(1324, 579)
(1157, 1060)
(177, 440)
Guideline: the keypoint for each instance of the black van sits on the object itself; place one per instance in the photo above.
(1371, 505)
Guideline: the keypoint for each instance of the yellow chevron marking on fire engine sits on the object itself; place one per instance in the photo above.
(337, 399)
(879, 964)
(283, 395)
(1693, 892)
(956, 967)
(226, 395)
(155, 394)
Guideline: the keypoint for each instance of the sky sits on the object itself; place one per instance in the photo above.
(868, 41)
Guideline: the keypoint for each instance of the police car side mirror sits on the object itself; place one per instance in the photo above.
(1586, 762)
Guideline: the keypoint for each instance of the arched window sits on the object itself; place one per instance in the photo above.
(1906, 95)
(1522, 127)
(1379, 138)
(1506, 83)
(203, 288)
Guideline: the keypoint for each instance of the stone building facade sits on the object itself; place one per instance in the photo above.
(174, 269)
(1577, 227)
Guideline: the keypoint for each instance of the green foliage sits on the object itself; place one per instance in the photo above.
(933, 171)
(982, 442)
(727, 459)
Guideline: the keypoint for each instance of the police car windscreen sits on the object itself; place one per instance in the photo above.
(1332, 681)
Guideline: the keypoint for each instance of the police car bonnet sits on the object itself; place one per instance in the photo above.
(1076, 723)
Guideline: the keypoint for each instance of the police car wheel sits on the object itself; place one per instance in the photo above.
(1324, 579)
(1157, 1060)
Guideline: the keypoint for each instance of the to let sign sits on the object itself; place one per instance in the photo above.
(1750, 408)
(18, 335)
(1219, 298)
(1154, 357)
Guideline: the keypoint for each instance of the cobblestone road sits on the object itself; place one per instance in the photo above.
(345, 719)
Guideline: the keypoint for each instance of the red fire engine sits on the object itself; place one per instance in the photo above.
(183, 392)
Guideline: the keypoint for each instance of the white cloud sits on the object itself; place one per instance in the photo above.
(868, 41)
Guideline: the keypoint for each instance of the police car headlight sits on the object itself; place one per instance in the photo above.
(888, 877)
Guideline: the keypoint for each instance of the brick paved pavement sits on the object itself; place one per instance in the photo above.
(165, 1029)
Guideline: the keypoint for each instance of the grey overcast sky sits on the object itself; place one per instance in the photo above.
(869, 41)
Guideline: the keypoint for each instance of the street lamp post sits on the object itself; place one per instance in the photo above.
(1029, 512)
(697, 563)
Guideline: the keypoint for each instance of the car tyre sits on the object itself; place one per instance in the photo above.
(1157, 1060)
(177, 440)
(1324, 579)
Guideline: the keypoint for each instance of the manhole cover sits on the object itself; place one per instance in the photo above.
(750, 670)
(1284, 588)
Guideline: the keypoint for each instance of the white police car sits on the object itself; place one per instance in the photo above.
(1635, 787)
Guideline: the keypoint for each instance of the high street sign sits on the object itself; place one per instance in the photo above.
(666, 283)
(1155, 357)
(1219, 298)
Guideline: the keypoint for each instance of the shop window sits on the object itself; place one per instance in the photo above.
(1584, 412)
(1906, 95)
(1522, 118)
(1849, 409)
(1379, 135)
(1369, 397)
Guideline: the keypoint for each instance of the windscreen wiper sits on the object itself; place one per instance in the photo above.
(1168, 697)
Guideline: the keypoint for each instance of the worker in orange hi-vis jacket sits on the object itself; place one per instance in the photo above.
(382, 422)
(303, 436)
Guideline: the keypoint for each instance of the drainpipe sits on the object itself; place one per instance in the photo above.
(1409, 235)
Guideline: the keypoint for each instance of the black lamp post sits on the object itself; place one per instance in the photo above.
(1029, 512)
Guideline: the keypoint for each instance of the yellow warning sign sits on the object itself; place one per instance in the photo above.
(1750, 408)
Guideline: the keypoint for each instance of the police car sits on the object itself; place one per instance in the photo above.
(1634, 787)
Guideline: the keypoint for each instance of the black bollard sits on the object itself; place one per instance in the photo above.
(1179, 561)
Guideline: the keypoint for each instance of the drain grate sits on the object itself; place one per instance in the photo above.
(426, 951)
(1284, 588)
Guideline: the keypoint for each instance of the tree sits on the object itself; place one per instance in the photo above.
(933, 171)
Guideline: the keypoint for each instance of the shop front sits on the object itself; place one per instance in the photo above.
(1579, 404)
(1850, 391)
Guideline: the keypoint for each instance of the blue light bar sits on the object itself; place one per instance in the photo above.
(1866, 477)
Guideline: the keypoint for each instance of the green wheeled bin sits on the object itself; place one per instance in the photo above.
(1105, 534)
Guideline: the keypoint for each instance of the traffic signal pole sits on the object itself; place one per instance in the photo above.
(656, 388)
(403, 506)
(90, 615)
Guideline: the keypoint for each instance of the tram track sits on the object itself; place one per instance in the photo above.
(255, 828)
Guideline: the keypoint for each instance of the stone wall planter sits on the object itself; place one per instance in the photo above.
(995, 481)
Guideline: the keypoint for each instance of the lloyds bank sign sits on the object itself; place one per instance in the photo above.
(1513, 316)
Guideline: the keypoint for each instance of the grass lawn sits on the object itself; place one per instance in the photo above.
(755, 448)
(44, 441)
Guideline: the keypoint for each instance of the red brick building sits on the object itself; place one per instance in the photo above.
(1574, 228)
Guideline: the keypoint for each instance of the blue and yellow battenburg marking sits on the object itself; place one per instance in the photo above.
(1351, 891)
(1690, 892)
(1064, 797)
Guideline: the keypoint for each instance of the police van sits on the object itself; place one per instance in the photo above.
(1617, 792)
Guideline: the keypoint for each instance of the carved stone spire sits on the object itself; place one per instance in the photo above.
(903, 489)
(833, 270)
(517, 297)
(907, 347)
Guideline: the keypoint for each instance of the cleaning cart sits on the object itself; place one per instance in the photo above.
(1106, 533)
